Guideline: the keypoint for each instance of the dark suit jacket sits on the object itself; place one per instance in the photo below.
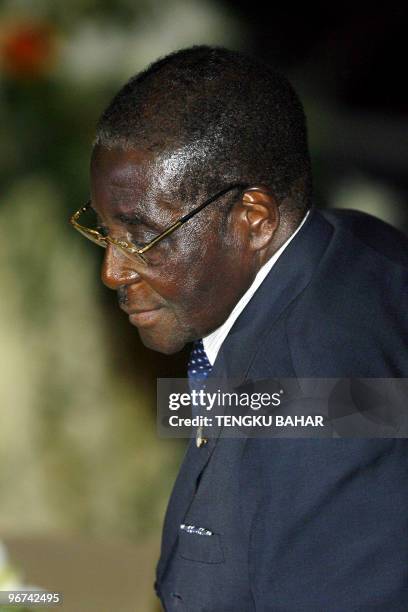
(317, 525)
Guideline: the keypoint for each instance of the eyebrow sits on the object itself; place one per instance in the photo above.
(135, 219)
(130, 219)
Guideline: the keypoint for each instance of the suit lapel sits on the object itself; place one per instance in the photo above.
(285, 282)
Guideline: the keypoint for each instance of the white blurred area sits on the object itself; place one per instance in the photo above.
(76, 444)
(100, 51)
(376, 198)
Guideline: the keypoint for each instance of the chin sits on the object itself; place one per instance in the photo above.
(161, 344)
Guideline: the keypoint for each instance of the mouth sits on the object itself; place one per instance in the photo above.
(143, 318)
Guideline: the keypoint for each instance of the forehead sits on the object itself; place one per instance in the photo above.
(119, 166)
(130, 180)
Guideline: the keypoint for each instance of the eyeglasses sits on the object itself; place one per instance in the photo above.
(131, 251)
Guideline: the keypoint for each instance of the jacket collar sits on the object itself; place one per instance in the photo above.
(285, 282)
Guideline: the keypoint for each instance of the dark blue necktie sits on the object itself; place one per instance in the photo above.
(198, 370)
(198, 367)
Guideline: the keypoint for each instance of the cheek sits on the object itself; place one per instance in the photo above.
(203, 269)
(214, 282)
(200, 274)
(186, 284)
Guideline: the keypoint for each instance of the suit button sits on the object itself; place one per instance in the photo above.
(201, 442)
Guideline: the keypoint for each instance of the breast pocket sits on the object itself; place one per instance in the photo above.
(200, 544)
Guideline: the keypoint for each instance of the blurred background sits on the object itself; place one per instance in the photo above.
(84, 479)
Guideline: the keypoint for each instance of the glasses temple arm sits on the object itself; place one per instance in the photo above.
(210, 201)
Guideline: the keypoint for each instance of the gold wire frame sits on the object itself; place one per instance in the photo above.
(134, 253)
(103, 241)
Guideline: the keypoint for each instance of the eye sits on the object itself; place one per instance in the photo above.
(137, 243)
(140, 237)
(102, 230)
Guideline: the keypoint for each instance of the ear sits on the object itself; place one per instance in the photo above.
(260, 213)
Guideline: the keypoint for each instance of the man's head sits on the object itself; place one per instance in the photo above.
(191, 125)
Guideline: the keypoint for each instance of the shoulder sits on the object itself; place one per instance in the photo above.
(352, 319)
(335, 304)
(370, 233)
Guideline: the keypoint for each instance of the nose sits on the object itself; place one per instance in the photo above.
(117, 269)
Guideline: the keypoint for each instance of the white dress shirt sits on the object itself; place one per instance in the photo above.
(213, 342)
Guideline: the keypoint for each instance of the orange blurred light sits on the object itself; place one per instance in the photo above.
(27, 49)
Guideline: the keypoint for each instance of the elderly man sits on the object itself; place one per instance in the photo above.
(201, 190)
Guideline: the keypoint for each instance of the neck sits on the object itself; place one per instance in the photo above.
(287, 227)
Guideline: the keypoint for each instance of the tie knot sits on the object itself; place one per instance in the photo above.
(198, 367)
